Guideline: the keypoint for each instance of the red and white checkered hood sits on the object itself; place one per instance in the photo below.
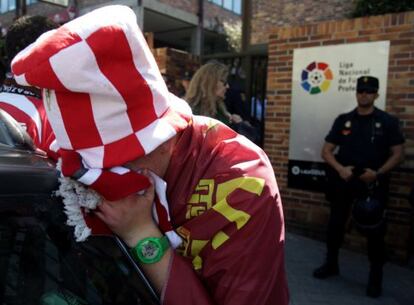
(104, 94)
(107, 102)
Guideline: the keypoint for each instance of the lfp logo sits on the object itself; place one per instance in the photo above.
(316, 78)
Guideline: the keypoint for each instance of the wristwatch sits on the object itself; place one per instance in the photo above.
(150, 250)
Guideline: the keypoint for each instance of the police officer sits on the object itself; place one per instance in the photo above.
(370, 145)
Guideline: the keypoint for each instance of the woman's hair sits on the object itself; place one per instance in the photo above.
(201, 93)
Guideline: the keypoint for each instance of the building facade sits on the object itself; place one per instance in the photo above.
(194, 26)
(307, 212)
(268, 14)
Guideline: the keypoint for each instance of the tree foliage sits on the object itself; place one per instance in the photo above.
(379, 7)
(233, 32)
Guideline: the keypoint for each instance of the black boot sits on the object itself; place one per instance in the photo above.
(326, 270)
(374, 287)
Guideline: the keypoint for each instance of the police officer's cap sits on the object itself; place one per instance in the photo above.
(368, 83)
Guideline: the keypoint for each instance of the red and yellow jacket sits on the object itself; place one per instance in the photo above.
(225, 204)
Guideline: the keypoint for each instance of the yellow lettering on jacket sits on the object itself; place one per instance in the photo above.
(240, 218)
(251, 185)
(199, 203)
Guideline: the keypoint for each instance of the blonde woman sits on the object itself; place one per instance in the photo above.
(207, 90)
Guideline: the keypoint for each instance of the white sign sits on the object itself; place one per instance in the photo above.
(323, 86)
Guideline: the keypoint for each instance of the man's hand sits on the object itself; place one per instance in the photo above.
(368, 176)
(345, 172)
(131, 217)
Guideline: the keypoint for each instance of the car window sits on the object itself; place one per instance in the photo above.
(40, 263)
(5, 137)
(12, 133)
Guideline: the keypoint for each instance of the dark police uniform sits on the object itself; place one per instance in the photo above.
(364, 141)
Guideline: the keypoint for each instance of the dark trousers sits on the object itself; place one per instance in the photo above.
(342, 197)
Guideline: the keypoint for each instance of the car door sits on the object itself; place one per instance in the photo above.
(40, 263)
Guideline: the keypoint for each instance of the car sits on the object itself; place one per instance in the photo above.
(40, 262)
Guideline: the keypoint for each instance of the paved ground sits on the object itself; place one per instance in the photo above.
(304, 254)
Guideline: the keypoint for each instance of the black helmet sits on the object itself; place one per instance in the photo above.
(368, 213)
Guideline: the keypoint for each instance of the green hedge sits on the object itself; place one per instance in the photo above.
(379, 7)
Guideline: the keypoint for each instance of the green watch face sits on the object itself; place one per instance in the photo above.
(150, 250)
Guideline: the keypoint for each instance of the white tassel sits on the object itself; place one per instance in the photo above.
(75, 196)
